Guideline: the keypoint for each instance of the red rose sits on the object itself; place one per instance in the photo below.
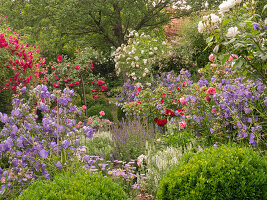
(162, 122)
(211, 90)
(77, 67)
(100, 82)
(59, 59)
(207, 98)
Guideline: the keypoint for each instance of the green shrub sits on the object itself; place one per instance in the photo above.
(4, 163)
(217, 173)
(94, 110)
(79, 186)
(120, 114)
(100, 100)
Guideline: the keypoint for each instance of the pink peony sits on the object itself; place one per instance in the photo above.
(211, 90)
(182, 124)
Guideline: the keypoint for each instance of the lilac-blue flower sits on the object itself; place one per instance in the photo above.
(4, 118)
(59, 165)
(43, 154)
(65, 144)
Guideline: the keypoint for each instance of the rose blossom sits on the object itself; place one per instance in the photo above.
(102, 113)
(182, 101)
(182, 124)
(211, 90)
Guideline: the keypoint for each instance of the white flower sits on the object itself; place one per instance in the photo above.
(215, 18)
(142, 51)
(226, 5)
(146, 70)
(136, 34)
(145, 61)
(150, 53)
(136, 58)
(238, 1)
(163, 43)
(132, 74)
(144, 74)
(133, 64)
(232, 32)
(155, 48)
(200, 27)
(148, 84)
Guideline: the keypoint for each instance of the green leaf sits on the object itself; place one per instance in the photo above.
(239, 63)
(225, 22)
(264, 8)
(245, 72)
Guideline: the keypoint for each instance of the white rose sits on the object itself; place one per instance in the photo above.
(205, 18)
(215, 18)
(200, 27)
(136, 34)
(132, 74)
(163, 43)
(232, 32)
(226, 5)
(136, 58)
(238, 1)
(148, 84)
(155, 48)
(144, 74)
(142, 52)
(133, 64)
(146, 70)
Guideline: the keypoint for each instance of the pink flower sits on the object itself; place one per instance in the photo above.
(77, 126)
(92, 65)
(100, 82)
(77, 82)
(77, 67)
(59, 59)
(182, 101)
(182, 124)
(80, 123)
(104, 88)
(213, 110)
(102, 113)
(84, 107)
(211, 58)
(211, 90)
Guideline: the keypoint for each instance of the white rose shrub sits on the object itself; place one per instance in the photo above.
(136, 58)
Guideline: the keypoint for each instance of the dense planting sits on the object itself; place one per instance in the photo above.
(116, 108)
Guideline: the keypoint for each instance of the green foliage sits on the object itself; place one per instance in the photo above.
(226, 172)
(94, 110)
(4, 164)
(82, 186)
(120, 113)
(102, 100)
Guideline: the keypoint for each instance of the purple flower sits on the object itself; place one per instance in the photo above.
(62, 101)
(256, 26)
(59, 165)
(211, 130)
(4, 118)
(65, 144)
(23, 89)
(53, 96)
(239, 125)
(43, 107)
(43, 153)
(61, 128)
(251, 138)
(203, 82)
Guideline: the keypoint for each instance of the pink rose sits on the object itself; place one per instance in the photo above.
(182, 101)
(84, 107)
(211, 90)
(182, 124)
(211, 58)
(102, 113)
(59, 59)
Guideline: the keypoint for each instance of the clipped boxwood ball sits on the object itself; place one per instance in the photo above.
(217, 173)
(79, 186)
